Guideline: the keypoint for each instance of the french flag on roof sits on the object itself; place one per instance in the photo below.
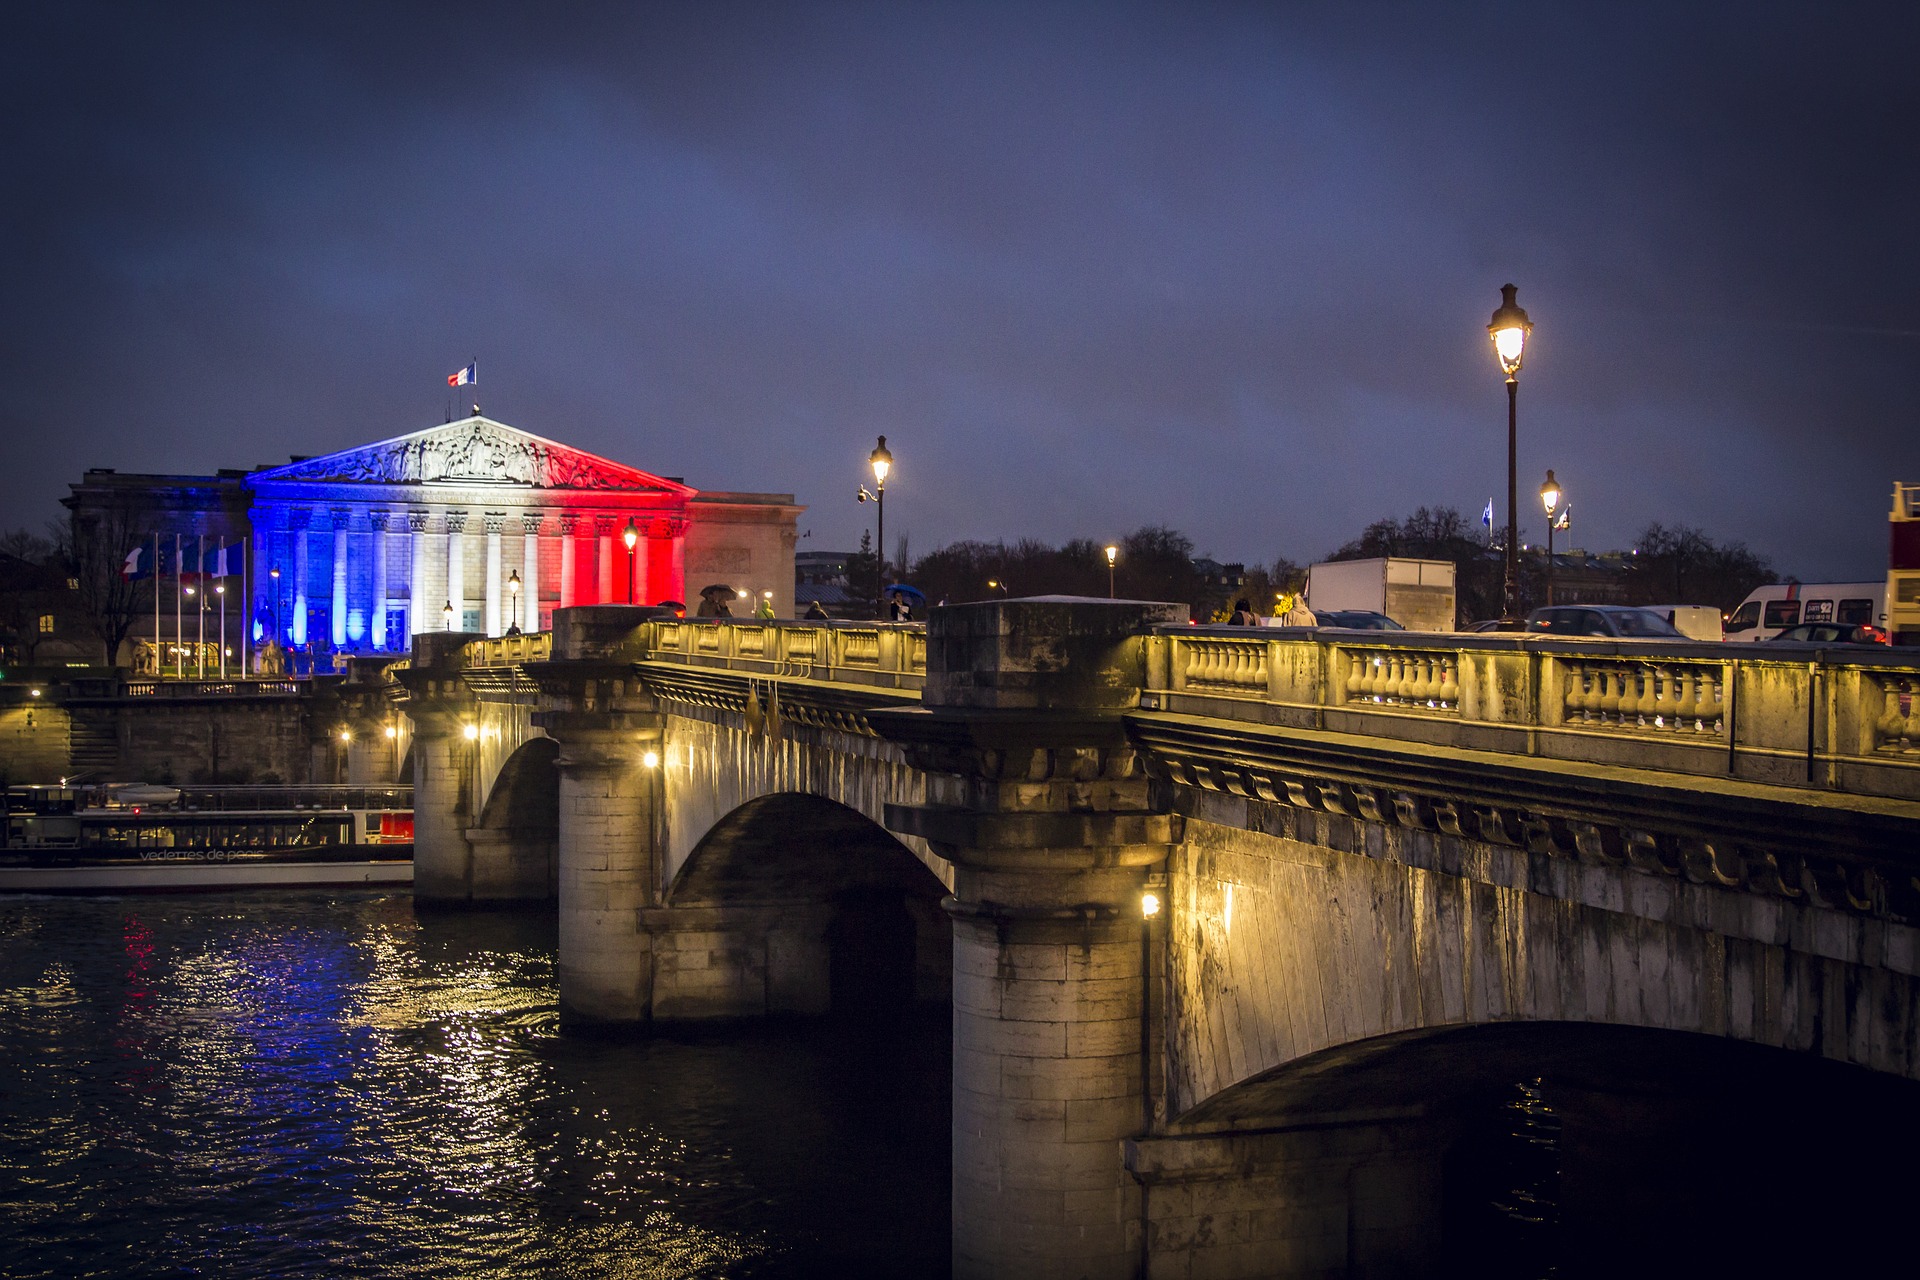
(466, 377)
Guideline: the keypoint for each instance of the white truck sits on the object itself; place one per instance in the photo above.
(1417, 594)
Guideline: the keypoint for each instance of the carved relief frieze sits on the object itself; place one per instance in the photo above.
(475, 452)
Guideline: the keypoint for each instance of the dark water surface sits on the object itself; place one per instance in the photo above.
(322, 1083)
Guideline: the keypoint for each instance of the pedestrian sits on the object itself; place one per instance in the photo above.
(1243, 615)
(764, 611)
(815, 613)
(902, 611)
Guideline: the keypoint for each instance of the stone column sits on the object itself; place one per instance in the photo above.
(610, 845)
(456, 569)
(1036, 798)
(530, 572)
(339, 603)
(298, 530)
(603, 533)
(569, 555)
(419, 616)
(659, 570)
(490, 620)
(377, 623)
(441, 706)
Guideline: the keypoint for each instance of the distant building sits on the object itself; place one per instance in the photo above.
(471, 526)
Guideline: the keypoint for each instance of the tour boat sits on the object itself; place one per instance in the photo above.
(144, 838)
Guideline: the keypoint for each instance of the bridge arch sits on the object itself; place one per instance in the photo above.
(515, 839)
(821, 908)
(1542, 1147)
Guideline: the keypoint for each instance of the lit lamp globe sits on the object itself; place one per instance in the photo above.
(882, 460)
(1509, 329)
(1550, 496)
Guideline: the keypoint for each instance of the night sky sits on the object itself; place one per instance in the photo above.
(1222, 267)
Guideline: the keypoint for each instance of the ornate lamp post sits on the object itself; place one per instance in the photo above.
(1550, 499)
(631, 536)
(882, 462)
(1113, 553)
(513, 596)
(446, 615)
(1509, 329)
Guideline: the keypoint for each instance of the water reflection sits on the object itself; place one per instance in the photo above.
(254, 1085)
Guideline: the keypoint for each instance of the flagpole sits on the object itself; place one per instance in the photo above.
(179, 636)
(200, 613)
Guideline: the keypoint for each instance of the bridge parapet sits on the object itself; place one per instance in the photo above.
(886, 656)
(1831, 719)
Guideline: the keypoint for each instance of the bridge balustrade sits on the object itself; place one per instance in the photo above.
(892, 655)
(1844, 720)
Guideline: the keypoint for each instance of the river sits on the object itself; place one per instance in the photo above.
(325, 1083)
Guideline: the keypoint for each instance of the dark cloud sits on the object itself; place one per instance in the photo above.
(1224, 267)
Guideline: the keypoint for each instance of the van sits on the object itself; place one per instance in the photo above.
(1694, 621)
(1769, 610)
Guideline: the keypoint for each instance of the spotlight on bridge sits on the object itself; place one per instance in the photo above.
(651, 760)
(471, 732)
(1149, 905)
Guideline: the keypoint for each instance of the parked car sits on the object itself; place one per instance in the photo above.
(1610, 620)
(1831, 633)
(1357, 619)
(1497, 624)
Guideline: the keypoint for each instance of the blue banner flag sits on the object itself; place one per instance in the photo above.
(223, 562)
(1486, 517)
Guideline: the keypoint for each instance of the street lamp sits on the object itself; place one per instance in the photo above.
(446, 615)
(513, 602)
(994, 584)
(1509, 329)
(882, 462)
(631, 536)
(1113, 553)
(1550, 499)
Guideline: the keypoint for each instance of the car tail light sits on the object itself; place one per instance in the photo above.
(1876, 635)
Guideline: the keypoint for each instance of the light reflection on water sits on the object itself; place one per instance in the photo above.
(272, 1084)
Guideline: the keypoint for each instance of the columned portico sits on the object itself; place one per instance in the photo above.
(477, 497)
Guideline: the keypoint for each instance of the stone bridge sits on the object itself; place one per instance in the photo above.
(1241, 929)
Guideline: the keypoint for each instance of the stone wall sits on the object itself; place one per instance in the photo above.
(1297, 930)
(257, 740)
(36, 751)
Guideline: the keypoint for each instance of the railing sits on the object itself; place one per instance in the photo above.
(1832, 718)
(510, 651)
(891, 656)
(209, 688)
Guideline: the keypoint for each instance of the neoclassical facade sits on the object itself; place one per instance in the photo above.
(469, 526)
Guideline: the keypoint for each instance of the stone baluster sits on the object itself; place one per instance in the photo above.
(1686, 711)
(1912, 734)
(1448, 694)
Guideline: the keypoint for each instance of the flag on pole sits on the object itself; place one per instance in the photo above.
(145, 562)
(223, 562)
(466, 377)
(1486, 517)
(1566, 518)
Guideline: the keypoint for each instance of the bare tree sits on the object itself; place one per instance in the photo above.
(99, 541)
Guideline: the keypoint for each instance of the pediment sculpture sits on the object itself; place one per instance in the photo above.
(475, 452)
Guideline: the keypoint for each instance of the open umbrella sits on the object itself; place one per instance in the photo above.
(914, 595)
(719, 589)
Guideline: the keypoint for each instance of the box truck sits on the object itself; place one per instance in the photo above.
(1417, 594)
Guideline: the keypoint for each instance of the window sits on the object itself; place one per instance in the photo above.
(1818, 611)
(1745, 618)
(1782, 613)
(46, 624)
(1856, 613)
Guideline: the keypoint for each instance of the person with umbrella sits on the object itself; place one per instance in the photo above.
(713, 601)
(903, 598)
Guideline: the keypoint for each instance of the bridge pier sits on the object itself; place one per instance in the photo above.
(1042, 807)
